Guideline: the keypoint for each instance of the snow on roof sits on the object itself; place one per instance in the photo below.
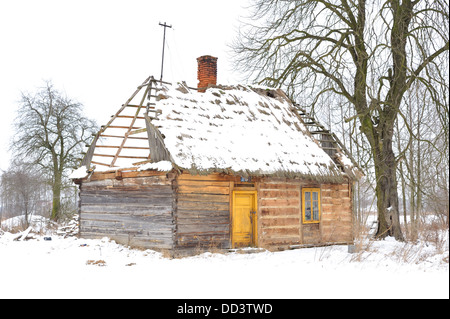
(234, 129)
(243, 129)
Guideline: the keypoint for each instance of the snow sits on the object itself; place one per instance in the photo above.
(38, 223)
(162, 166)
(239, 128)
(80, 172)
(87, 268)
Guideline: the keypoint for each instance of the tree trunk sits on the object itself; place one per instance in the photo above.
(56, 189)
(379, 132)
(386, 191)
(403, 183)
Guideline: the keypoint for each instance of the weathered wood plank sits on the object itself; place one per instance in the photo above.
(144, 235)
(282, 194)
(197, 229)
(128, 218)
(337, 219)
(199, 222)
(202, 183)
(126, 199)
(210, 177)
(126, 209)
(311, 234)
(278, 186)
(153, 201)
(135, 240)
(282, 231)
(143, 189)
(280, 202)
(205, 198)
(284, 211)
(269, 222)
(203, 213)
(270, 241)
(98, 176)
(203, 190)
(203, 241)
(127, 194)
(203, 206)
(130, 226)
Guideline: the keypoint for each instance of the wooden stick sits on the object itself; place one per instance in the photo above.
(126, 147)
(121, 156)
(130, 137)
(126, 127)
(98, 163)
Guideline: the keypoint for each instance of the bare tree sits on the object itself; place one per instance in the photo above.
(368, 53)
(50, 132)
(23, 192)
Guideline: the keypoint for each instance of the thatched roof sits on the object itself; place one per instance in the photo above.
(236, 129)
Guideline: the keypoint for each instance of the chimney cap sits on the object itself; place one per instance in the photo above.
(204, 57)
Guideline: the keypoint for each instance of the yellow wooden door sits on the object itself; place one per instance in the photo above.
(244, 219)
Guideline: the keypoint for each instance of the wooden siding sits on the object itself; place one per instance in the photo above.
(132, 211)
(187, 212)
(337, 216)
(202, 211)
(279, 218)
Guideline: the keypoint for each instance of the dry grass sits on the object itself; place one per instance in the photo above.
(435, 233)
(430, 239)
(100, 263)
(363, 243)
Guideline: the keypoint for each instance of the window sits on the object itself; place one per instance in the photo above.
(311, 205)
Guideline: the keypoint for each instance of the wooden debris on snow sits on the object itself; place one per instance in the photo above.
(69, 229)
(23, 235)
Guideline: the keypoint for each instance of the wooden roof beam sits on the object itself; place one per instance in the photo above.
(130, 137)
(127, 147)
(121, 156)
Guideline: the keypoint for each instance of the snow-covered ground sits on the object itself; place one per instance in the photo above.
(82, 268)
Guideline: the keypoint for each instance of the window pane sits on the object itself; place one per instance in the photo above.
(307, 196)
(307, 209)
(315, 210)
(315, 196)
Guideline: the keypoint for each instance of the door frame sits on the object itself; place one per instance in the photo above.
(255, 218)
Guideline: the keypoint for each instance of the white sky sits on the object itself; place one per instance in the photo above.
(99, 51)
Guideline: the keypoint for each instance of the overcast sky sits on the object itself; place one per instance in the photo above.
(99, 51)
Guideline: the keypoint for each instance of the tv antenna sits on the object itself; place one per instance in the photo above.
(164, 44)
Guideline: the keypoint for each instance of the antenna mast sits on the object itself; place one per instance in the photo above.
(164, 44)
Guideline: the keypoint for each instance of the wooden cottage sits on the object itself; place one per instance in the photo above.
(183, 169)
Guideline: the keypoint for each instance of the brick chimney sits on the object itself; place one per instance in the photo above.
(207, 72)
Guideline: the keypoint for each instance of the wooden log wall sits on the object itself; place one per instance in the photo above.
(186, 212)
(337, 215)
(280, 214)
(202, 211)
(132, 211)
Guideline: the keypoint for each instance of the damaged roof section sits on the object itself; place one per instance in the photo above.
(232, 129)
(123, 141)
